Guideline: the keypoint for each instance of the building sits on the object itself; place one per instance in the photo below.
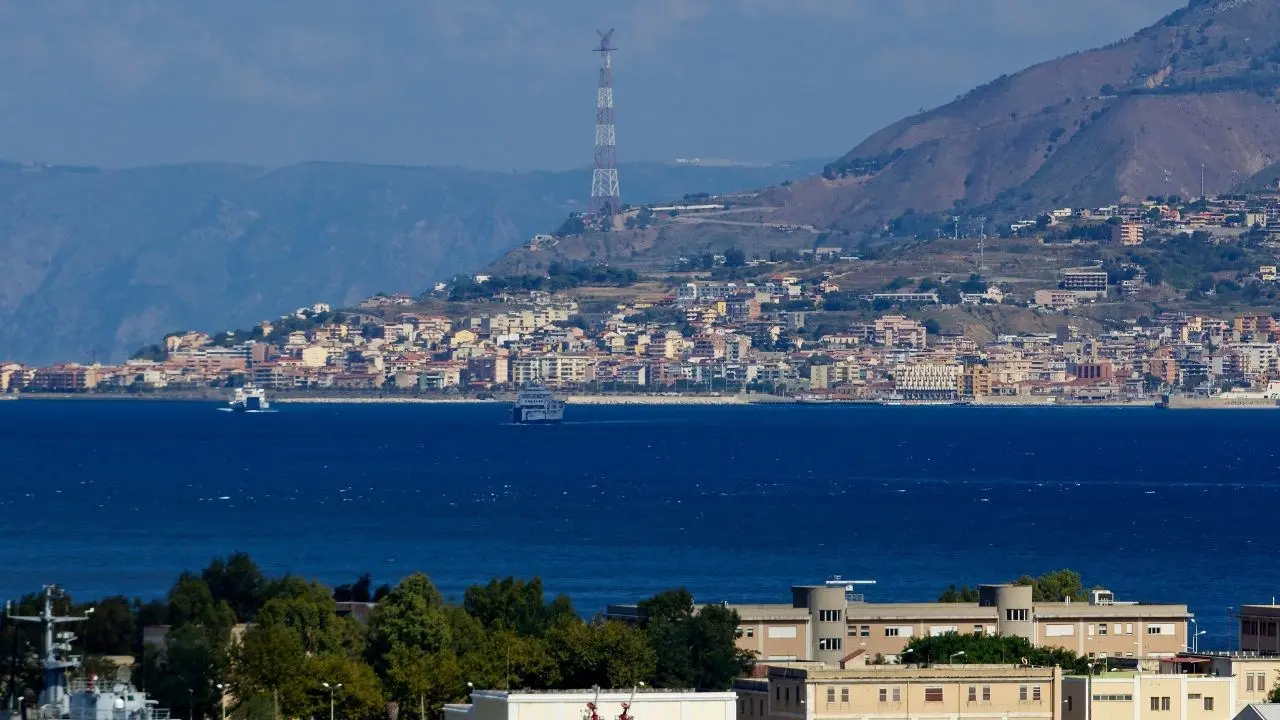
(827, 622)
(64, 378)
(1056, 299)
(975, 381)
(900, 692)
(1253, 675)
(1127, 233)
(900, 331)
(645, 704)
(1260, 628)
(928, 381)
(1147, 696)
(1085, 280)
(1259, 711)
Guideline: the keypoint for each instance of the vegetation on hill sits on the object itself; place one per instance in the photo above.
(560, 276)
(982, 649)
(418, 650)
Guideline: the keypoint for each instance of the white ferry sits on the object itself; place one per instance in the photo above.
(249, 399)
(536, 405)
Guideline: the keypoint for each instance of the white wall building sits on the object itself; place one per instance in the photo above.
(572, 705)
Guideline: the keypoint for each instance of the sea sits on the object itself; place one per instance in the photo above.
(736, 503)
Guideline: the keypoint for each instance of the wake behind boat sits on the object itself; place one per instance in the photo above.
(535, 405)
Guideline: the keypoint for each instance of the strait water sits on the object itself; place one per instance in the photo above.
(736, 503)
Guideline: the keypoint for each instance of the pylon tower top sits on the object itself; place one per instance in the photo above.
(606, 198)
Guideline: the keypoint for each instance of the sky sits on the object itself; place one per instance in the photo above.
(503, 84)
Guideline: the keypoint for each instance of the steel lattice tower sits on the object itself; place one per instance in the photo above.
(606, 199)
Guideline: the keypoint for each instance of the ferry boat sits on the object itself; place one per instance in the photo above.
(250, 399)
(536, 405)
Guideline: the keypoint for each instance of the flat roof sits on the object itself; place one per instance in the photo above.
(878, 673)
(855, 612)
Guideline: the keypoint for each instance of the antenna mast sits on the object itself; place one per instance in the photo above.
(606, 199)
(55, 647)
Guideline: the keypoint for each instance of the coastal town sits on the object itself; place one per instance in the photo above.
(779, 329)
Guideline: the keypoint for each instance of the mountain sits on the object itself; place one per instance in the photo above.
(95, 263)
(1192, 96)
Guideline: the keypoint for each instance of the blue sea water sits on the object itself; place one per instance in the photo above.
(735, 503)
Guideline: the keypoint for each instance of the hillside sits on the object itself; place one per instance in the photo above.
(97, 262)
(1137, 118)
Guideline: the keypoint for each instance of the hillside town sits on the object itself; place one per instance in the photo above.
(764, 335)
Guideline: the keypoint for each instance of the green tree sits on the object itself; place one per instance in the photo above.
(239, 581)
(412, 615)
(265, 663)
(1055, 586)
(988, 650)
(695, 649)
(111, 628)
(307, 609)
(423, 682)
(733, 257)
(192, 603)
(184, 676)
(605, 653)
(961, 594)
(515, 605)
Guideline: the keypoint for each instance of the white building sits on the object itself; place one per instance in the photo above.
(572, 705)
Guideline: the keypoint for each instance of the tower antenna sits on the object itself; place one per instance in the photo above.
(606, 199)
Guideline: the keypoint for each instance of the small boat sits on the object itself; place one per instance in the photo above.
(249, 399)
(536, 405)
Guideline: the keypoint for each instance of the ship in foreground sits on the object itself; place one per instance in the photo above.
(535, 405)
(69, 693)
(249, 399)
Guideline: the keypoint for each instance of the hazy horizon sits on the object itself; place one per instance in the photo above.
(500, 85)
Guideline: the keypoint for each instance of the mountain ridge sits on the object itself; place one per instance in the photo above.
(1134, 118)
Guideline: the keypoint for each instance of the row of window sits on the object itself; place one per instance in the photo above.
(933, 693)
(1255, 681)
(1017, 615)
(829, 643)
(1255, 627)
(830, 615)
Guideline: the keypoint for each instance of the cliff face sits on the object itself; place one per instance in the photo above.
(1133, 119)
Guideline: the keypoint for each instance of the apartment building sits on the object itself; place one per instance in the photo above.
(1128, 233)
(826, 623)
(928, 381)
(1253, 675)
(1147, 696)
(1085, 280)
(1260, 628)
(899, 692)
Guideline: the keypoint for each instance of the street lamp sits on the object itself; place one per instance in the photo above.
(1195, 640)
(954, 655)
(222, 698)
(1197, 628)
(191, 704)
(331, 689)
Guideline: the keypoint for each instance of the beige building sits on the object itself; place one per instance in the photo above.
(898, 692)
(1253, 675)
(827, 623)
(1148, 696)
(572, 705)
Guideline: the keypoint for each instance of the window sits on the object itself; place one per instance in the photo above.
(973, 693)
(1022, 693)
(986, 693)
(1117, 628)
(844, 695)
(1248, 679)
(866, 631)
(1208, 703)
(1102, 629)
(1155, 703)
(977, 629)
(786, 696)
(831, 695)
(1018, 615)
(933, 693)
(751, 632)
(884, 694)
(1164, 703)
(829, 643)
(1068, 703)
(1160, 703)
(1035, 693)
(762, 707)
(1113, 698)
(829, 615)
(1155, 630)
(1128, 628)
(777, 693)
(891, 632)
(1089, 630)
(897, 694)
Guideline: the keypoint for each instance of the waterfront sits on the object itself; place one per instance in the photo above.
(737, 503)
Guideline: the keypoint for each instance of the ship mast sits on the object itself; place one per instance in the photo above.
(55, 647)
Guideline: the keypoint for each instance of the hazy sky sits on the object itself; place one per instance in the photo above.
(505, 84)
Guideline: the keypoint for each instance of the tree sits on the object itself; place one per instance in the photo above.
(694, 649)
(184, 675)
(307, 610)
(980, 649)
(423, 682)
(359, 591)
(605, 653)
(962, 594)
(111, 628)
(733, 257)
(239, 581)
(1054, 586)
(932, 327)
(411, 615)
(266, 662)
(515, 605)
(192, 603)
